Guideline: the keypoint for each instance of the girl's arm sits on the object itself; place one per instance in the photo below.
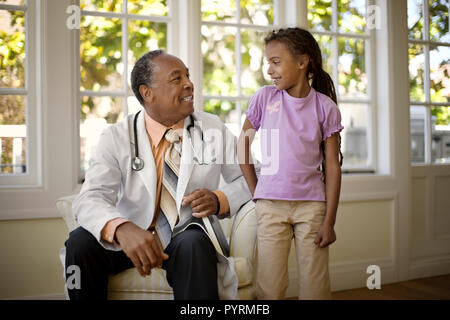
(326, 234)
(244, 155)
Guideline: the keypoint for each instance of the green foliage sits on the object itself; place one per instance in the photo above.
(12, 68)
(442, 115)
(219, 107)
(12, 52)
(439, 31)
(439, 19)
(320, 14)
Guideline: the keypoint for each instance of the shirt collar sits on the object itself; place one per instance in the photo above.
(156, 130)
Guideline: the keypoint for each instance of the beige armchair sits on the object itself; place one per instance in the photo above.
(240, 231)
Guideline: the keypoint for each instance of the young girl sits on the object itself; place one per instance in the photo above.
(295, 201)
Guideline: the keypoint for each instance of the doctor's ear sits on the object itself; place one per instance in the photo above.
(146, 93)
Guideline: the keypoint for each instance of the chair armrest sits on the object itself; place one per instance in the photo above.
(243, 233)
(64, 207)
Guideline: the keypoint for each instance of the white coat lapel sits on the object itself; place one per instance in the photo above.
(186, 165)
(148, 172)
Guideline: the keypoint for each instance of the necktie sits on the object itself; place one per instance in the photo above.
(170, 177)
(168, 204)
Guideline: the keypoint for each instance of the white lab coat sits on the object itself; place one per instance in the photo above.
(112, 189)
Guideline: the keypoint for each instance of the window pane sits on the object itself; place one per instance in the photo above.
(219, 72)
(325, 44)
(226, 110)
(354, 136)
(256, 145)
(416, 72)
(415, 19)
(252, 51)
(319, 15)
(352, 68)
(257, 12)
(351, 16)
(144, 36)
(440, 147)
(133, 105)
(12, 49)
(96, 114)
(440, 74)
(418, 129)
(13, 132)
(101, 5)
(101, 53)
(219, 10)
(148, 7)
(439, 20)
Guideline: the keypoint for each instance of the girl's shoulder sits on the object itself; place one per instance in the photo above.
(263, 95)
(325, 101)
(326, 108)
(266, 91)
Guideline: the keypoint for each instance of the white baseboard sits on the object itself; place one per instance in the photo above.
(351, 275)
(429, 267)
(54, 296)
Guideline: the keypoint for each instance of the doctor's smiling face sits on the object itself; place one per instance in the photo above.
(169, 97)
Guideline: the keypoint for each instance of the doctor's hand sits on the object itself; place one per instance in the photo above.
(203, 202)
(141, 246)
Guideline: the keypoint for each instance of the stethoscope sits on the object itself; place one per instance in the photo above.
(137, 163)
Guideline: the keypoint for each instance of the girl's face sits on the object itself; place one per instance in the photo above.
(286, 71)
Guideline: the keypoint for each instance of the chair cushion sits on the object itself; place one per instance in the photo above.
(131, 281)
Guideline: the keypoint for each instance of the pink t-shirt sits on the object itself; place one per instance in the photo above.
(292, 130)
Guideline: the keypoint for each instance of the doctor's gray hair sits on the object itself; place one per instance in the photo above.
(143, 71)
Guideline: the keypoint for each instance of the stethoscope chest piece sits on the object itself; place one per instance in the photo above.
(137, 164)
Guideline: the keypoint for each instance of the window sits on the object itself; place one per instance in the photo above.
(346, 42)
(113, 35)
(233, 64)
(429, 69)
(18, 103)
(232, 47)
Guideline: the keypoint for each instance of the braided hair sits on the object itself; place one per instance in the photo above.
(300, 41)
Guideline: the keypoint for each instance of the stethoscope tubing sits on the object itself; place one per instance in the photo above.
(137, 163)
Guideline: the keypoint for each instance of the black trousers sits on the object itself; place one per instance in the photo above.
(191, 268)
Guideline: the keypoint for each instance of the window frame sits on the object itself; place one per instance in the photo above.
(427, 103)
(32, 92)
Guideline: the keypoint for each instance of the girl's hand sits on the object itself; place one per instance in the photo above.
(325, 236)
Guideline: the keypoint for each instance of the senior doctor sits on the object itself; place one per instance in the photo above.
(128, 214)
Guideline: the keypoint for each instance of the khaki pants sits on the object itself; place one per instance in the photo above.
(278, 222)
